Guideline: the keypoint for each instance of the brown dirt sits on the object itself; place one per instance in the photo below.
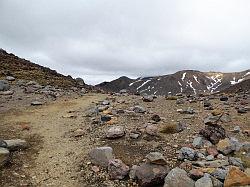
(52, 159)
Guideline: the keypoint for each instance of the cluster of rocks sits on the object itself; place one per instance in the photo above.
(210, 161)
(15, 87)
(6, 146)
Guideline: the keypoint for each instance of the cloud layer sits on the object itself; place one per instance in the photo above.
(103, 39)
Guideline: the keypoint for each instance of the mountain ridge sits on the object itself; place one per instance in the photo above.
(184, 81)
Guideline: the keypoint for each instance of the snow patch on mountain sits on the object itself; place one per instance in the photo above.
(183, 76)
(190, 83)
(236, 82)
(216, 82)
(143, 84)
(196, 79)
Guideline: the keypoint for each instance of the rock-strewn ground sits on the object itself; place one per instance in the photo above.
(63, 130)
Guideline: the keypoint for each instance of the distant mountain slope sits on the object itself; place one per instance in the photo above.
(115, 85)
(242, 86)
(186, 81)
(24, 69)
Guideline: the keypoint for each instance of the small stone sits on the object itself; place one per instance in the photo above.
(187, 153)
(16, 144)
(223, 98)
(36, 103)
(138, 109)
(148, 98)
(96, 169)
(152, 130)
(105, 118)
(115, 132)
(242, 111)
(198, 142)
(134, 135)
(212, 151)
(178, 178)
(79, 132)
(217, 112)
(151, 174)
(4, 85)
(10, 78)
(210, 158)
(156, 158)
(236, 177)
(156, 118)
(236, 129)
(101, 155)
(117, 169)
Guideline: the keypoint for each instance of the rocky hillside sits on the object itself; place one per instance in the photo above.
(187, 81)
(11, 65)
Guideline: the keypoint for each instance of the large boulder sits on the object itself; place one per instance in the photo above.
(178, 178)
(80, 81)
(101, 156)
(151, 174)
(226, 146)
(204, 182)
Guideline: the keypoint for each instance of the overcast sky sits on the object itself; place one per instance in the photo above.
(101, 40)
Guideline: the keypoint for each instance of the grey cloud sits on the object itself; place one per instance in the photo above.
(102, 40)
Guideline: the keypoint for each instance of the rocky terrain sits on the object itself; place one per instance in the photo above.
(63, 134)
(187, 82)
(67, 137)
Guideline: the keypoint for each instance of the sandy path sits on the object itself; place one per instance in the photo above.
(56, 164)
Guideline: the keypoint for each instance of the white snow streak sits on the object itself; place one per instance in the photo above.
(143, 84)
(183, 76)
(196, 79)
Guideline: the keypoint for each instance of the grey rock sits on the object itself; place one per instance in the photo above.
(134, 135)
(236, 162)
(151, 174)
(101, 156)
(4, 85)
(219, 173)
(226, 146)
(237, 129)
(212, 164)
(156, 158)
(117, 169)
(115, 132)
(213, 133)
(138, 109)
(16, 144)
(210, 158)
(225, 118)
(9, 92)
(148, 98)
(187, 153)
(3, 143)
(4, 156)
(178, 178)
(204, 182)
(156, 118)
(10, 78)
(123, 91)
(80, 81)
(198, 142)
(105, 102)
(242, 110)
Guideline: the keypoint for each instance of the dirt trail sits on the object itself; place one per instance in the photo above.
(56, 164)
